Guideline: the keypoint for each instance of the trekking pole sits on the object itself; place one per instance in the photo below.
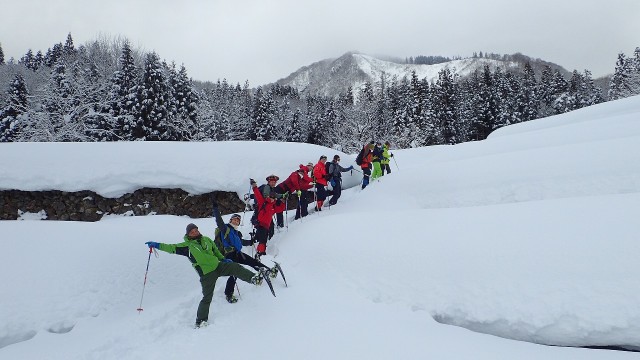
(299, 207)
(315, 197)
(145, 280)
(394, 160)
(238, 290)
(286, 212)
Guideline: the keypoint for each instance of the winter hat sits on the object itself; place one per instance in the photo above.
(371, 146)
(310, 164)
(190, 227)
(234, 216)
(272, 177)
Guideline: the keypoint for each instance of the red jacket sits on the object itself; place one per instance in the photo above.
(319, 171)
(296, 181)
(266, 208)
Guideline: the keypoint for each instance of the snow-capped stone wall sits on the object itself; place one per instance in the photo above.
(88, 206)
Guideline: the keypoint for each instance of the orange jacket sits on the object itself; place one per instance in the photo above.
(367, 158)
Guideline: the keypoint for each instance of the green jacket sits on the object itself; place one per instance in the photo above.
(202, 253)
(385, 155)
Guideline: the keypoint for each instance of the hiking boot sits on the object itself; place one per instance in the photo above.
(257, 279)
(200, 324)
(273, 272)
(231, 299)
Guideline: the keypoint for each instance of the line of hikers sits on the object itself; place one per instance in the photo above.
(223, 255)
(374, 156)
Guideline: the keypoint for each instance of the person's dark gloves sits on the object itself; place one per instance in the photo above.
(226, 261)
(279, 202)
(153, 245)
(350, 167)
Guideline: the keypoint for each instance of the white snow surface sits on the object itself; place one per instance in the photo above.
(530, 235)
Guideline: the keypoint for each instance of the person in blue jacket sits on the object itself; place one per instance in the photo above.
(229, 241)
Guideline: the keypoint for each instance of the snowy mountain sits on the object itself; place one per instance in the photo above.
(529, 235)
(334, 76)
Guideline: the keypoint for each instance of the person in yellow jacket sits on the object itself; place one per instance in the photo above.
(386, 157)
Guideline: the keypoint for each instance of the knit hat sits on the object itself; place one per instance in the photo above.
(234, 216)
(190, 227)
(272, 177)
(310, 164)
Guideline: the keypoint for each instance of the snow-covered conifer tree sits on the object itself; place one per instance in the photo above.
(10, 116)
(153, 97)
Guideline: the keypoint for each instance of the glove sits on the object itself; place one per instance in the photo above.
(279, 202)
(391, 155)
(252, 183)
(350, 167)
(214, 203)
(152, 244)
(226, 261)
(333, 183)
(299, 193)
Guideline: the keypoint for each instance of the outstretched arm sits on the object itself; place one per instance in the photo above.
(216, 214)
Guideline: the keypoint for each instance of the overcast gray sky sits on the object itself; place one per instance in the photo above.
(265, 40)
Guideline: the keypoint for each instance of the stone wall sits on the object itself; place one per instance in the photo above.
(88, 206)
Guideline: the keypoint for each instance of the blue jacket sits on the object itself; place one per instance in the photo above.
(227, 239)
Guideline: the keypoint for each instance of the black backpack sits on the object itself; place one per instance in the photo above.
(359, 157)
(327, 168)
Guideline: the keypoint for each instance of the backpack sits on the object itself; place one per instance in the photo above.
(327, 168)
(360, 156)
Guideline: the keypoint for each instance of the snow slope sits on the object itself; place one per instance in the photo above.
(529, 235)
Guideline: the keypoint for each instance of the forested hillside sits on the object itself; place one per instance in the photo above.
(106, 91)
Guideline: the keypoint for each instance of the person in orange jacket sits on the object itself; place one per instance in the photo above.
(320, 175)
(267, 207)
(367, 159)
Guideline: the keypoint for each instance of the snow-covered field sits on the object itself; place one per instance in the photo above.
(531, 235)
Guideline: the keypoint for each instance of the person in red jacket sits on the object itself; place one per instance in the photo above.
(366, 165)
(320, 175)
(267, 207)
(298, 183)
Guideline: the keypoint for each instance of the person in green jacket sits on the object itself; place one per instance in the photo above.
(377, 158)
(209, 263)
